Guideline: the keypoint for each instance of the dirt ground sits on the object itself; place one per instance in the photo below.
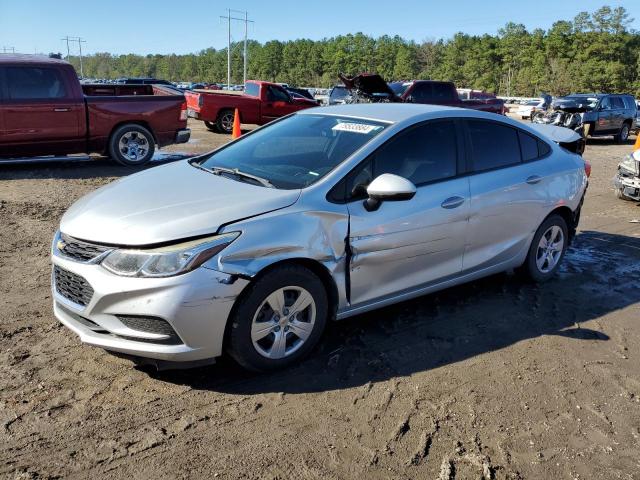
(494, 379)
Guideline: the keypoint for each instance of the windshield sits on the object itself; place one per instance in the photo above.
(590, 102)
(338, 93)
(294, 152)
(399, 87)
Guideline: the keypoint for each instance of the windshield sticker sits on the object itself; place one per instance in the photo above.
(356, 127)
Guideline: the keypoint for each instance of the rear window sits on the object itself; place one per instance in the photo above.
(34, 83)
(493, 145)
(252, 89)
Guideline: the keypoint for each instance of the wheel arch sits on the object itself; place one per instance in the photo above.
(570, 217)
(314, 266)
(140, 123)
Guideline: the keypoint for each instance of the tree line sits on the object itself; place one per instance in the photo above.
(594, 52)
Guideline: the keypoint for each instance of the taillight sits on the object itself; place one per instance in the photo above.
(183, 111)
(200, 100)
(587, 167)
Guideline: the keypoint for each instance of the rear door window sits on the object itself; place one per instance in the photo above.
(493, 145)
(34, 83)
(528, 147)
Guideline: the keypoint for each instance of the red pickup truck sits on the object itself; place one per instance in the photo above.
(44, 111)
(260, 103)
(372, 87)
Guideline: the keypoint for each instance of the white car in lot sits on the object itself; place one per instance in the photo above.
(324, 214)
(528, 108)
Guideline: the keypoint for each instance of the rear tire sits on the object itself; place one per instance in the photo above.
(547, 249)
(267, 330)
(224, 122)
(623, 134)
(211, 126)
(131, 145)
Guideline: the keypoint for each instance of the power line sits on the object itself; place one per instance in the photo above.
(8, 49)
(246, 21)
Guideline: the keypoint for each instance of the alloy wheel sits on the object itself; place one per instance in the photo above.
(283, 322)
(133, 146)
(550, 249)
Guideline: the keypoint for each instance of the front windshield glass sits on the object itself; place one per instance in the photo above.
(589, 102)
(338, 93)
(294, 152)
(399, 87)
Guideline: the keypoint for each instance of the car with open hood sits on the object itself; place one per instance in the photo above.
(324, 214)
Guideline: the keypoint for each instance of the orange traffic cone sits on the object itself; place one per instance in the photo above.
(636, 146)
(235, 133)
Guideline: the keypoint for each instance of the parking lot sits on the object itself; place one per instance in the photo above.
(494, 379)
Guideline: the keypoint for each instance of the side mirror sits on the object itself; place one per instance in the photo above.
(388, 187)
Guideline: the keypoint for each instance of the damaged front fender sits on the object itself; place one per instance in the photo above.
(294, 234)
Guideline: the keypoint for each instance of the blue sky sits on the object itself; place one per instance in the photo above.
(162, 26)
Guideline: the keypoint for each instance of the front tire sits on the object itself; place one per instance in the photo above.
(279, 319)
(131, 145)
(547, 249)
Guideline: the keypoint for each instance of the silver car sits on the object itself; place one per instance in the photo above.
(321, 215)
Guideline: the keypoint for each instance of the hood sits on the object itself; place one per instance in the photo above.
(167, 203)
(367, 83)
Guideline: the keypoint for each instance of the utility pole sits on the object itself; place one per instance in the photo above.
(8, 49)
(246, 28)
(68, 51)
(80, 42)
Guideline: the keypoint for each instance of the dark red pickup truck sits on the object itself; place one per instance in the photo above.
(372, 87)
(44, 111)
(260, 103)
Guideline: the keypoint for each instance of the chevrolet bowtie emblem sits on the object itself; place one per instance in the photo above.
(60, 244)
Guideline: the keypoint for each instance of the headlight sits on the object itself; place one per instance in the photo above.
(630, 164)
(167, 261)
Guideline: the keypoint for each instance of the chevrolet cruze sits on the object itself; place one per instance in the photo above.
(327, 213)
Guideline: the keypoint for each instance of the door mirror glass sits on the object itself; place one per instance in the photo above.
(388, 187)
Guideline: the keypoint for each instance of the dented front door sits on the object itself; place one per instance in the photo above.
(406, 244)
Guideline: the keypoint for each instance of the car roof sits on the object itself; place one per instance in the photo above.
(384, 112)
(25, 58)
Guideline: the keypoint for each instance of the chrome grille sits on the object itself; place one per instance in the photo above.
(78, 250)
(72, 287)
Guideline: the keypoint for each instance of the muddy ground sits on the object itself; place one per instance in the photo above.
(494, 379)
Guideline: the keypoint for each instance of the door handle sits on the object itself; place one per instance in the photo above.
(61, 109)
(533, 179)
(452, 202)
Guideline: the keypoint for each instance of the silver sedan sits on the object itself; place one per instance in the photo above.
(321, 215)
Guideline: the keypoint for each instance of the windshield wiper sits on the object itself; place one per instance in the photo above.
(234, 171)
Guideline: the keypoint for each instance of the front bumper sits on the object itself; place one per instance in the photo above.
(628, 185)
(196, 305)
(183, 136)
